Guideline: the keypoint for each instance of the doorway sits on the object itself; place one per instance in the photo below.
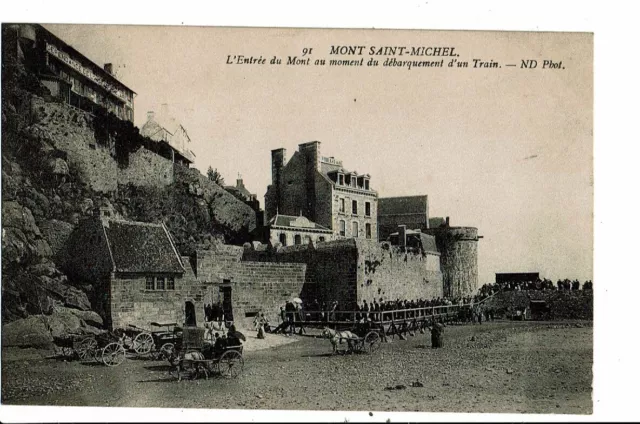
(227, 307)
(189, 314)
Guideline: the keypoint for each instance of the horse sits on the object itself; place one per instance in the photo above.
(338, 336)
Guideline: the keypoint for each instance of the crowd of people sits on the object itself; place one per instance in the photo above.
(376, 310)
(539, 284)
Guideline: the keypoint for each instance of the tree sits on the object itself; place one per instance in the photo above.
(215, 176)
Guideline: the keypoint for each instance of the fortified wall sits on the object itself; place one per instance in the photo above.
(252, 287)
(458, 247)
(352, 270)
(71, 131)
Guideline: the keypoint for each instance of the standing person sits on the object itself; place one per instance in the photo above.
(437, 335)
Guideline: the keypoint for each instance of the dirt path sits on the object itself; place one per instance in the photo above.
(496, 367)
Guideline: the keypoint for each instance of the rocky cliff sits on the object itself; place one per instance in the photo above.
(57, 168)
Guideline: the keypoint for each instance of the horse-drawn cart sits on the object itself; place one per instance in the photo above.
(108, 348)
(77, 346)
(197, 358)
(360, 339)
(161, 342)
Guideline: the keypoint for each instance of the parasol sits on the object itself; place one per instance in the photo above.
(297, 300)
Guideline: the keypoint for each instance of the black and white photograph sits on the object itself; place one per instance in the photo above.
(299, 219)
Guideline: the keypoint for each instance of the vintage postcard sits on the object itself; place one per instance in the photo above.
(297, 219)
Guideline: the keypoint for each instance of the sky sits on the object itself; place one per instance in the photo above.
(506, 150)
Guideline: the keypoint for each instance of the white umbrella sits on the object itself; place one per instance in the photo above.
(297, 300)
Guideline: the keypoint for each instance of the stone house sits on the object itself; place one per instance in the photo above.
(136, 271)
(139, 277)
(324, 192)
(294, 230)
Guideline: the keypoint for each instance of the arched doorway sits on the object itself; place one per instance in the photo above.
(189, 314)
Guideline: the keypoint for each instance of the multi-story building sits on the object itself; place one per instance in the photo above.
(412, 211)
(250, 199)
(324, 192)
(166, 128)
(68, 74)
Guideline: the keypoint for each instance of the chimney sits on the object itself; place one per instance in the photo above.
(278, 161)
(151, 115)
(311, 152)
(446, 221)
(108, 67)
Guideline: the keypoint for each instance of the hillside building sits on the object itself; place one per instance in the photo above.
(242, 193)
(411, 211)
(323, 191)
(296, 230)
(70, 76)
(167, 129)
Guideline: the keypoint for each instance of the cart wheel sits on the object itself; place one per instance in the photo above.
(372, 341)
(231, 364)
(87, 349)
(113, 354)
(143, 343)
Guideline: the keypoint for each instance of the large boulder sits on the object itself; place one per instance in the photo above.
(56, 233)
(90, 318)
(65, 294)
(15, 246)
(63, 322)
(15, 215)
(27, 332)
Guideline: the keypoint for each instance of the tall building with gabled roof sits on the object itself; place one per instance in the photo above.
(164, 127)
(323, 191)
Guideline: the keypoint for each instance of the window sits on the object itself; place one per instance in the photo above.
(366, 184)
(367, 230)
(341, 179)
(354, 207)
(321, 238)
(354, 228)
(297, 239)
(343, 228)
(367, 208)
(341, 205)
(159, 283)
(283, 239)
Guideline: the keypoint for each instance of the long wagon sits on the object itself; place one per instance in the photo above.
(160, 342)
(197, 358)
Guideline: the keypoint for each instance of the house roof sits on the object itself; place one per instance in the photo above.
(402, 205)
(141, 247)
(295, 222)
